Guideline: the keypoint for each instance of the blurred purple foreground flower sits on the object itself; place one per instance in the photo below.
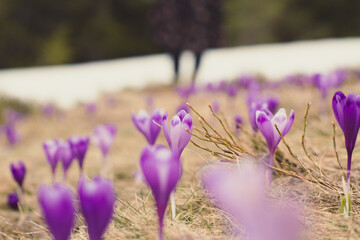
(18, 171)
(266, 121)
(103, 137)
(162, 171)
(97, 199)
(58, 209)
(176, 134)
(149, 126)
(13, 200)
(240, 192)
(11, 133)
(347, 114)
(325, 82)
(79, 146)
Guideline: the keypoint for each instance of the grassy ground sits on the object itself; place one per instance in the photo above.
(135, 216)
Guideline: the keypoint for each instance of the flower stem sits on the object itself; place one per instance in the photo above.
(173, 205)
(348, 168)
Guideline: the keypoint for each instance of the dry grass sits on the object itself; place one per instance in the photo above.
(314, 178)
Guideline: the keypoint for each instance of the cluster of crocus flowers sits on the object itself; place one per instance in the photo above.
(239, 191)
(266, 122)
(347, 113)
(162, 171)
(18, 171)
(149, 126)
(58, 205)
(65, 152)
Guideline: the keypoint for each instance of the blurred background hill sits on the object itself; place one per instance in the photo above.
(42, 32)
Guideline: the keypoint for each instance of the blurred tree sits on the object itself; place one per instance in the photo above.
(38, 32)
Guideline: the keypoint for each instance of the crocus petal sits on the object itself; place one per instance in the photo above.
(166, 129)
(338, 102)
(267, 129)
(289, 123)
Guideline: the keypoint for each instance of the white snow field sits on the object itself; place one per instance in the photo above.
(66, 85)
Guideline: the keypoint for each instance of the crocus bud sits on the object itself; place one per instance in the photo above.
(18, 171)
(266, 121)
(97, 199)
(64, 154)
(149, 126)
(162, 171)
(347, 114)
(103, 137)
(57, 205)
(238, 122)
(176, 134)
(79, 147)
(50, 148)
(13, 200)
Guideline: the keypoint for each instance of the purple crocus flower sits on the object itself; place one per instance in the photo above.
(266, 121)
(97, 199)
(176, 134)
(257, 102)
(232, 90)
(79, 147)
(18, 171)
(91, 108)
(57, 204)
(50, 148)
(13, 200)
(64, 154)
(239, 191)
(11, 116)
(183, 106)
(245, 81)
(347, 114)
(12, 135)
(104, 136)
(162, 171)
(149, 126)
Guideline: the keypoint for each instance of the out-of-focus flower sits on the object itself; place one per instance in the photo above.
(64, 154)
(50, 148)
(176, 134)
(91, 108)
(79, 146)
(215, 106)
(149, 101)
(57, 204)
(257, 102)
(18, 171)
(149, 126)
(12, 135)
(246, 80)
(162, 171)
(48, 109)
(186, 91)
(232, 90)
(12, 117)
(266, 121)
(240, 191)
(347, 114)
(97, 199)
(13, 200)
(103, 137)
(183, 106)
(325, 82)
